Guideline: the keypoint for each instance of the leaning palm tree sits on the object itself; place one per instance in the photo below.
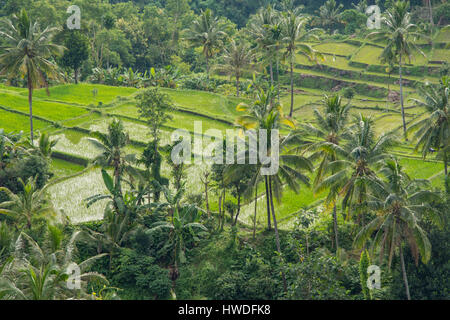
(354, 175)
(330, 129)
(28, 206)
(399, 36)
(294, 35)
(28, 51)
(400, 206)
(433, 132)
(205, 32)
(236, 59)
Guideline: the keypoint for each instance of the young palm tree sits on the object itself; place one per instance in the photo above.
(400, 208)
(27, 206)
(236, 58)
(41, 271)
(294, 34)
(354, 175)
(433, 132)
(330, 129)
(113, 154)
(27, 53)
(205, 32)
(398, 36)
(184, 220)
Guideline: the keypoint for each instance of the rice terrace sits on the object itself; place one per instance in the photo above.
(91, 93)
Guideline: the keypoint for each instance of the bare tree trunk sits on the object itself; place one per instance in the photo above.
(277, 236)
(335, 228)
(430, 7)
(256, 207)
(30, 104)
(268, 203)
(405, 278)
(292, 90)
(401, 98)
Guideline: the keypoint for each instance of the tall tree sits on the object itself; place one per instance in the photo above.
(294, 35)
(330, 127)
(205, 32)
(399, 34)
(355, 176)
(401, 204)
(28, 53)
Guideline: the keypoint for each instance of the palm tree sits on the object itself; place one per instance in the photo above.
(433, 132)
(236, 59)
(263, 28)
(330, 14)
(354, 175)
(400, 208)
(27, 54)
(268, 115)
(205, 32)
(330, 129)
(398, 36)
(27, 206)
(294, 34)
(113, 154)
(184, 220)
(41, 272)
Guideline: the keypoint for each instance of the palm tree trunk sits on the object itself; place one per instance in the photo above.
(445, 163)
(256, 207)
(278, 78)
(405, 278)
(76, 75)
(401, 98)
(237, 86)
(292, 90)
(389, 90)
(277, 236)
(335, 227)
(271, 73)
(207, 66)
(30, 104)
(206, 199)
(268, 203)
(430, 7)
(238, 209)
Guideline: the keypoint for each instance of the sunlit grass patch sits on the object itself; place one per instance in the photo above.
(84, 93)
(339, 48)
(46, 109)
(13, 122)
